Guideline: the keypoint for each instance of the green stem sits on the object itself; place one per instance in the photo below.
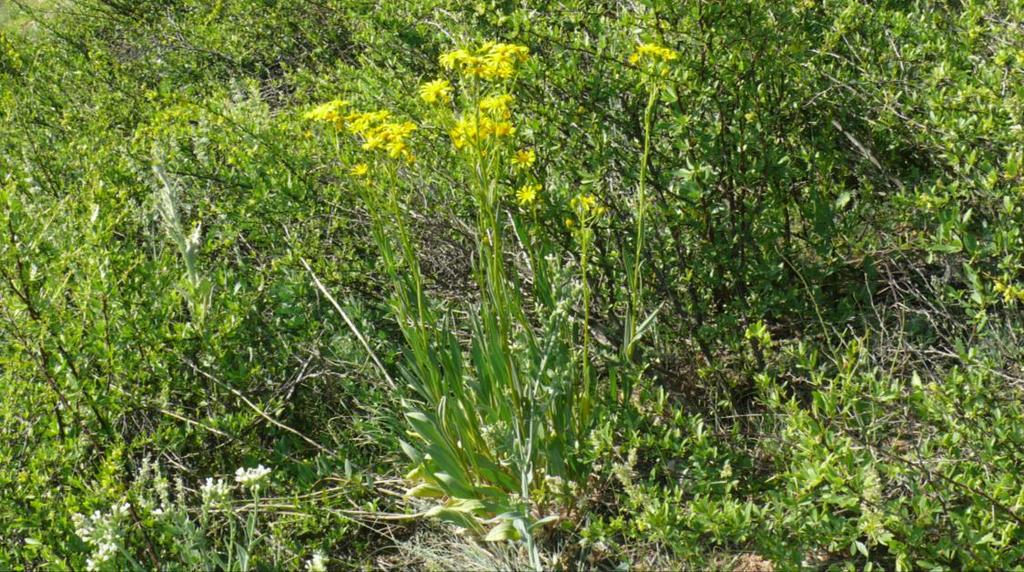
(584, 257)
(635, 286)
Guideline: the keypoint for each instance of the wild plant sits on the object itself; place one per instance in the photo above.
(499, 424)
(197, 289)
(221, 533)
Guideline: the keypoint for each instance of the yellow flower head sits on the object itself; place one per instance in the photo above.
(498, 105)
(502, 58)
(524, 158)
(527, 194)
(1011, 293)
(490, 61)
(586, 207)
(329, 112)
(437, 91)
(391, 138)
(504, 129)
(465, 132)
(360, 123)
(453, 59)
(359, 170)
(654, 53)
(470, 130)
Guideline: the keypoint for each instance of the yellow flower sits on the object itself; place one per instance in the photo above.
(569, 223)
(524, 158)
(465, 132)
(359, 170)
(527, 194)
(586, 207)
(360, 123)
(391, 138)
(473, 129)
(437, 91)
(584, 202)
(397, 149)
(498, 105)
(501, 59)
(489, 61)
(470, 130)
(329, 112)
(1010, 292)
(653, 52)
(453, 58)
(504, 129)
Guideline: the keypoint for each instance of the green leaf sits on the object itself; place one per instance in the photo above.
(425, 490)
(414, 455)
(503, 531)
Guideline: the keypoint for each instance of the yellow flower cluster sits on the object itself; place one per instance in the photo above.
(437, 91)
(653, 52)
(492, 119)
(490, 61)
(330, 112)
(527, 194)
(1011, 293)
(361, 122)
(391, 138)
(472, 130)
(498, 105)
(373, 126)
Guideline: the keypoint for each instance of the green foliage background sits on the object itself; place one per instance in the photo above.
(834, 377)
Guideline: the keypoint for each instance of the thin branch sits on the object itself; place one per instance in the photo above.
(351, 325)
(259, 411)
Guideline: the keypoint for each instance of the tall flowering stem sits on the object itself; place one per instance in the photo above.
(587, 211)
(653, 61)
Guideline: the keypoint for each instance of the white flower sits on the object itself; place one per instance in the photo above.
(83, 526)
(103, 532)
(120, 511)
(214, 492)
(318, 563)
(251, 477)
(555, 483)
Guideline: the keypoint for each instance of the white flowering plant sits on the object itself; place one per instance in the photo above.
(215, 526)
